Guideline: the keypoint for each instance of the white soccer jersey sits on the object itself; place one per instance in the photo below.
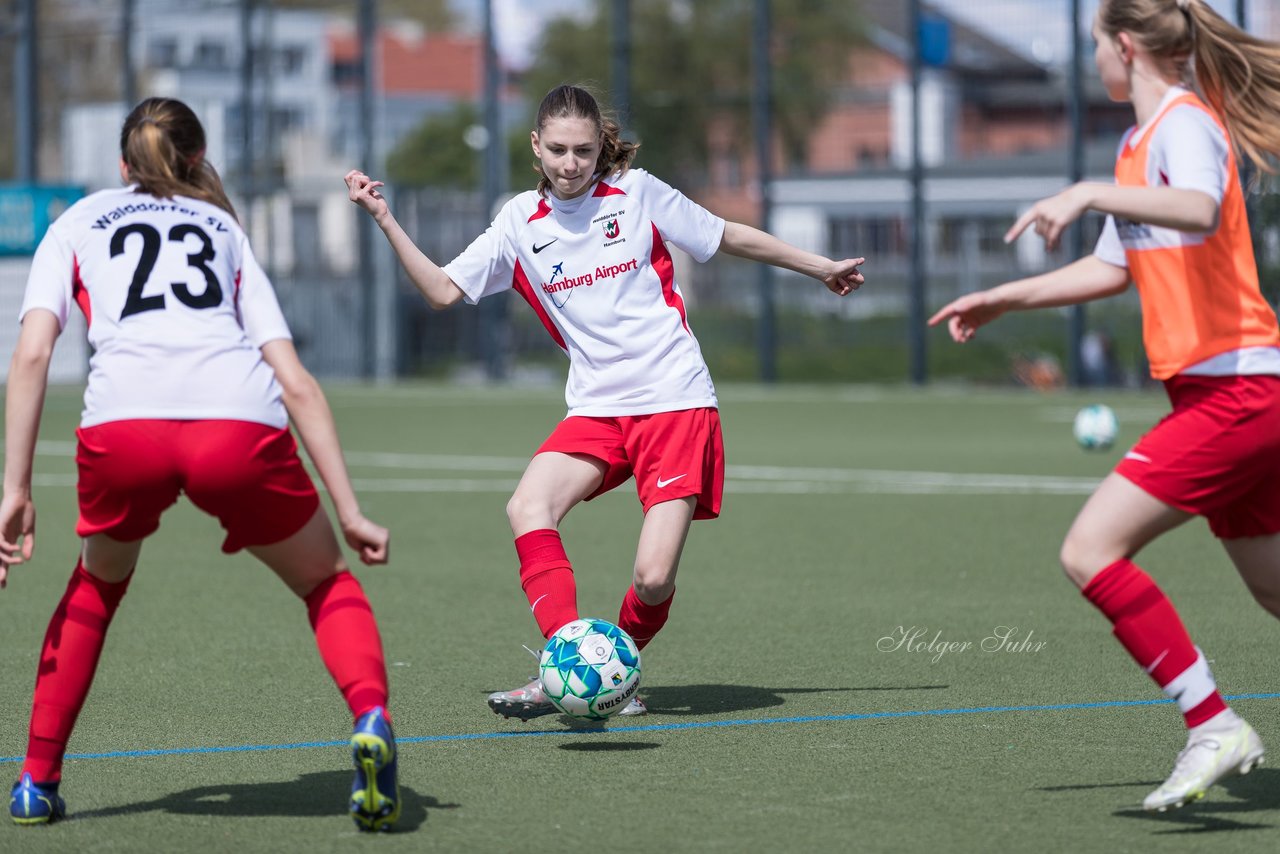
(597, 271)
(176, 304)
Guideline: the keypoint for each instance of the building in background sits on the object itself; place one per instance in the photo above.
(994, 137)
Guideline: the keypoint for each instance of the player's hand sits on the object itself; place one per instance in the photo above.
(1051, 216)
(966, 314)
(370, 540)
(17, 532)
(363, 191)
(844, 277)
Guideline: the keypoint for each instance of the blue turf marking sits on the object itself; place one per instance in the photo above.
(803, 719)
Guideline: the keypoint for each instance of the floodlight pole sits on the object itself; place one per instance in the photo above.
(620, 72)
(493, 318)
(128, 74)
(766, 338)
(246, 113)
(915, 304)
(1076, 317)
(26, 93)
(367, 33)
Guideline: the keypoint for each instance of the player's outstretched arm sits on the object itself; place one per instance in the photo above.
(436, 288)
(310, 413)
(1088, 279)
(24, 401)
(1169, 207)
(744, 241)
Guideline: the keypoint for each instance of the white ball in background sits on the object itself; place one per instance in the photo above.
(1095, 427)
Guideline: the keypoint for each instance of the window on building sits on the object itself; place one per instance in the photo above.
(291, 59)
(872, 237)
(211, 56)
(162, 53)
(346, 73)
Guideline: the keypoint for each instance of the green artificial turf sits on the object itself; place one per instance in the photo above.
(785, 715)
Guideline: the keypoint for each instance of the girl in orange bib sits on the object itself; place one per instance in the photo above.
(1176, 227)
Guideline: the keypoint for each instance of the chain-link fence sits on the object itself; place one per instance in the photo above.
(1003, 122)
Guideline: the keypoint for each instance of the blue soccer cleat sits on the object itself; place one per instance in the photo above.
(30, 803)
(375, 794)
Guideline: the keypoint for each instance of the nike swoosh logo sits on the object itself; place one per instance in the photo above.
(1156, 663)
(539, 599)
(662, 483)
(1134, 455)
(537, 248)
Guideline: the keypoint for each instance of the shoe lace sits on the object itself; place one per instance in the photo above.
(1188, 761)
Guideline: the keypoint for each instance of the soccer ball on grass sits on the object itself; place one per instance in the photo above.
(1095, 427)
(590, 669)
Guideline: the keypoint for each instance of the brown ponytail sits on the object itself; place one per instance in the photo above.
(163, 143)
(576, 102)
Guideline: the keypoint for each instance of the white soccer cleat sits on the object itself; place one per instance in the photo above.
(634, 708)
(525, 703)
(1208, 757)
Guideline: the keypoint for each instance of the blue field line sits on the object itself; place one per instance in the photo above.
(802, 719)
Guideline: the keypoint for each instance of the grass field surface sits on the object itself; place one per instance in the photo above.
(872, 650)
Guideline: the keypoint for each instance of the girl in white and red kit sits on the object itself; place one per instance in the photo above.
(192, 384)
(588, 251)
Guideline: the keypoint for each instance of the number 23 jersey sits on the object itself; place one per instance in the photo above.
(597, 272)
(177, 308)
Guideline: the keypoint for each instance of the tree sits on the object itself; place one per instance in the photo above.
(436, 153)
(692, 69)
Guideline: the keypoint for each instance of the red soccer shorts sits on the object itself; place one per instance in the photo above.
(1217, 454)
(672, 454)
(246, 474)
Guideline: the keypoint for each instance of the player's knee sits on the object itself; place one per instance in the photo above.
(524, 512)
(653, 584)
(1081, 560)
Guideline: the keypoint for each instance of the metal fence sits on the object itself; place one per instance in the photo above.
(1003, 121)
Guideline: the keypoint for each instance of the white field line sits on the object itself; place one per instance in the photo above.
(740, 479)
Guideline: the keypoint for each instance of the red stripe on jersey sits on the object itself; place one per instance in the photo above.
(603, 189)
(520, 283)
(543, 210)
(235, 300)
(660, 258)
(78, 292)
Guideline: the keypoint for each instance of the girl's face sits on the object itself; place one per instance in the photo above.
(1109, 55)
(568, 149)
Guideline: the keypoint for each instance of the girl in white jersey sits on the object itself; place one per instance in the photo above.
(191, 385)
(588, 251)
(1177, 228)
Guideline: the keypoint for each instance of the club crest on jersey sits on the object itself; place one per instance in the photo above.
(611, 229)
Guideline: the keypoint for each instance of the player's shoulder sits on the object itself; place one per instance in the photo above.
(1189, 117)
(631, 179)
(94, 206)
(522, 208)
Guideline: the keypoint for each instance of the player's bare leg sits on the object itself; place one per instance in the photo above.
(653, 580)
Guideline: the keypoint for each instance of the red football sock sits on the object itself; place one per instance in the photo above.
(347, 636)
(1147, 625)
(640, 620)
(547, 578)
(68, 661)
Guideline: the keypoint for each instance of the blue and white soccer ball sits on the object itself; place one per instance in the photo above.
(1095, 427)
(590, 669)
